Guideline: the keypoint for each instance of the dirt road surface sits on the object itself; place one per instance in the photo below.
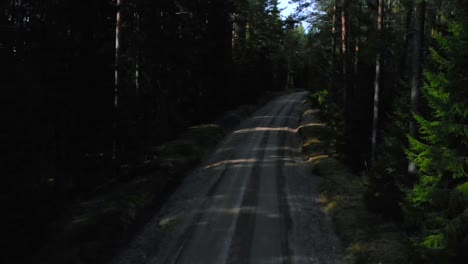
(253, 201)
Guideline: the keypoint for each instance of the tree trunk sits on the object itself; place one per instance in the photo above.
(344, 48)
(288, 76)
(416, 63)
(407, 20)
(378, 65)
(333, 93)
(347, 94)
(358, 44)
(136, 17)
(118, 29)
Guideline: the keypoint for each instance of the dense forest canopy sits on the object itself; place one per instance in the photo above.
(89, 86)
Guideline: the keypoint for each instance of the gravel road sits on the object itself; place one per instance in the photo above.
(253, 201)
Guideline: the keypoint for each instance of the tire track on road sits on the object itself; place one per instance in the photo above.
(240, 251)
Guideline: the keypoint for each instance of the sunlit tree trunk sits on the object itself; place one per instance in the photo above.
(378, 65)
(416, 62)
(118, 29)
(347, 94)
(333, 92)
(344, 47)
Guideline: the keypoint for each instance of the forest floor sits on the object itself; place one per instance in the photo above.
(254, 200)
(366, 237)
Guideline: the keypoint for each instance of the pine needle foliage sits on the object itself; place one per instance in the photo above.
(441, 193)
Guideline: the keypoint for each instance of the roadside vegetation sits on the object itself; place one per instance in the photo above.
(367, 237)
(395, 105)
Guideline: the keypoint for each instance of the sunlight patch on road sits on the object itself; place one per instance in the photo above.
(311, 141)
(237, 161)
(270, 129)
(274, 117)
(267, 161)
(277, 149)
(311, 125)
(311, 112)
(267, 149)
(235, 211)
(170, 222)
(316, 158)
(257, 129)
(246, 210)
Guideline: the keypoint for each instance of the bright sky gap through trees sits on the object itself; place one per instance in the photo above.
(287, 8)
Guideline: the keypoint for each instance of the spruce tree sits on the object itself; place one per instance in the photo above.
(441, 192)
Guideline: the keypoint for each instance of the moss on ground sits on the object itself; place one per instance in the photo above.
(367, 237)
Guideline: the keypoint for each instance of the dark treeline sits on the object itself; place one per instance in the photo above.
(90, 85)
(397, 98)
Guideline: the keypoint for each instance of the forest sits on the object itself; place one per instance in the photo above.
(93, 87)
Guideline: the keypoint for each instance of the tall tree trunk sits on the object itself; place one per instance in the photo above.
(416, 63)
(136, 17)
(399, 14)
(407, 20)
(358, 44)
(118, 29)
(431, 20)
(344, 47)
(347, 94)
(333, 90)
(288, 76)
(378, 64)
